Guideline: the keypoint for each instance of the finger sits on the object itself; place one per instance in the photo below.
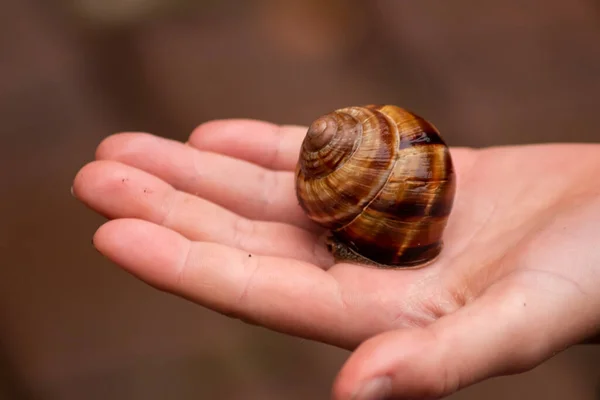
(242, 187)
(263, 143)
(493, 336)
(119, 191)
(288, 296)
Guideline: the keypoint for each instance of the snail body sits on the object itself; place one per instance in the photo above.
(381, 180)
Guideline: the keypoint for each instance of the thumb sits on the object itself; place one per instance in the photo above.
(499, 333)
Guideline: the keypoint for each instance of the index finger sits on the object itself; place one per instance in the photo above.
(269, 145)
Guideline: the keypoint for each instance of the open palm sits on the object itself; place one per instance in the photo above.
(216, 221)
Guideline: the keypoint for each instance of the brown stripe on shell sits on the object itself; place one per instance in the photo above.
(414, 202)
(416, 131)
(443, 205)
(335, 199)
(417, 255)
(439, 172)
(419, 175)
(390, 242)
(405, 216)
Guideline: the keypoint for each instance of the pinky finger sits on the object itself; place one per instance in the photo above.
(284, 295)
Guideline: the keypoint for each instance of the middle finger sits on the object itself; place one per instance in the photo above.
(245, 188)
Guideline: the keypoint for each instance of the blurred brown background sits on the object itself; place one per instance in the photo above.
(73, 326)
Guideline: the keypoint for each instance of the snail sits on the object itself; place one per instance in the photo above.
(381, 180)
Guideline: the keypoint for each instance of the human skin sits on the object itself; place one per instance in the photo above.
(215, 220)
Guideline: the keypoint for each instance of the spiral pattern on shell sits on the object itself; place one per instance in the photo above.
(381, 179)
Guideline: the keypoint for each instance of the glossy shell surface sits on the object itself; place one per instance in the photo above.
(381, 179)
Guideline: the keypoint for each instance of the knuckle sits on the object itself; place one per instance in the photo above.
(242, 230)
(184, 265)
(278, 140)
(251, 266)
(268, 182)
(171, 203)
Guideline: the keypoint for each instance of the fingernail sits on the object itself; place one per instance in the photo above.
(376, 389)
(73, 192)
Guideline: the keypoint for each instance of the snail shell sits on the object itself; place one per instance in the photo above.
(381, 179)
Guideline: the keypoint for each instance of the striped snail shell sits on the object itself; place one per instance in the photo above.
(381, 180)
